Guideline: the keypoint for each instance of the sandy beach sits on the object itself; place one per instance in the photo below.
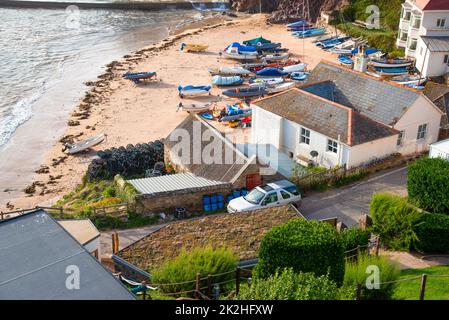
(130, 113)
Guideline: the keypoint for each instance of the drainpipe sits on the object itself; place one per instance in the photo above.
(340, 151)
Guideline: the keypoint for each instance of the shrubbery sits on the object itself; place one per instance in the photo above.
(304, 246)
(428, 184)
(358, 272)
(288, 285)
(353, 237)
(203, 260)
(394, 221)
(432, 231)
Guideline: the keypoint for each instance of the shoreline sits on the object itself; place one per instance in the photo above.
(143, 113)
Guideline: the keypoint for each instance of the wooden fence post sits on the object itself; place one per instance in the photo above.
(113, 243)
(61, 212)
(422, 290)
(1, 213)
(117, 242)
(358, 292)
(209, 285)
(237, 280)
(197, 285)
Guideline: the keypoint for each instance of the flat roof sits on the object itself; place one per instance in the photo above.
(172, 182)
(37, 257)
(83, 230)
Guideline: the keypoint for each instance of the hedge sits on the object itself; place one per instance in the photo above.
(304, 246)
(353, 237)
(432, 231)
(394, 221)
(288, 285)
(428, 184)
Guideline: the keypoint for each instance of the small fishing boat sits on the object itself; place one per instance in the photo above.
(83, 145)
(254, 65)
(137, 77)
(195, 108)
(268, 47)
(295, 68)
(239, 56)
(309, 33)
(300, 23)
(280, 64)
(391, 71)
(257, 82)
(323, 38)
(227, 81)
(409, 80)
(299, 76)
(276, 57)
(237, 47)
(391, 63)
(191, 47)
(193, 90)
(271, 72)
(229, 71)
(368, 51)
(294, 29)
(340, 51)
(345, 60)
(281, 87)
(235, 117)
(245, 92)
(256, 41)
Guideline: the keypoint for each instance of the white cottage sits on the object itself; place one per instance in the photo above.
(346, 117)
(424, 33)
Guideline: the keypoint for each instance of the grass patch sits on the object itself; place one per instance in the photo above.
(437, 288)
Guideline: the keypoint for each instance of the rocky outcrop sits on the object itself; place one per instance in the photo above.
(289, 10)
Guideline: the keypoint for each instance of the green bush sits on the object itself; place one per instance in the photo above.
(394, 221)
(304, 246)
(288, 285)
(362, 270)
(432, 232)
(353, 237)
(428, 184)
(202, 260)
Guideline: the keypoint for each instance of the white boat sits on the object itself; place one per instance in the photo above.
(84, 145)
(253, 65)
(239, 56)
(295, 68)
(409, 80)
(276, 57)
(281, 87)
(340, 51)
(195, 108)
(193, 90)
(393, 63)
(229, 71)
(258, 82)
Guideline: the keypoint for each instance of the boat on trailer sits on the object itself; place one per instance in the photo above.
(195, 108)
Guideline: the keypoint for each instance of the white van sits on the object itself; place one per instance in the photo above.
(274, 194)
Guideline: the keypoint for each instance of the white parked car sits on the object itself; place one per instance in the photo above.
(274, 194)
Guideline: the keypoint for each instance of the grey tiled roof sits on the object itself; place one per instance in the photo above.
(436, 44)
(228, 161)
(325, 117)
(381, 101)
(35, 254)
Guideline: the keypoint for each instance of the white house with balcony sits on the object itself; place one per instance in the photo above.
(424, 33)
(345, 117)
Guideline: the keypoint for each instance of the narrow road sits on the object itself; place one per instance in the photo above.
(349, 203)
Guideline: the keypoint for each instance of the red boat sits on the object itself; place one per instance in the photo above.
(289, 62)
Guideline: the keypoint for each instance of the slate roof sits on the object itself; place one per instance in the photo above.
(382, 101)
(439, 95)
(35, 252)
(227, 164)
(325, 116)
(436, 44)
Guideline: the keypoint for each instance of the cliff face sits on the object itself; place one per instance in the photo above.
(289, 10)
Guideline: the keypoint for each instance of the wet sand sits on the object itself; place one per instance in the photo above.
(130, 113)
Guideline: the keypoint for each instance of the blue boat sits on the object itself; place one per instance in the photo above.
(299, 76)
(345, 59)
(271, 72)
(368, 51)
(193, 90)
(327, 44)
(240, 48)
(139, 76)
(392, 71)
(227, 81)
(245, 92)
(310, 33)
(299, 23)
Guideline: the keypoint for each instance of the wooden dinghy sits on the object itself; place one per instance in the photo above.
(83, 145)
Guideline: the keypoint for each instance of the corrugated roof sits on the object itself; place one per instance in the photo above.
(35, 253)
(379, 100)
(173, 182)
(436, 44)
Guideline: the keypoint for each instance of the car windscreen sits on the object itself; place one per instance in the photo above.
(255, 196)
(292, 190)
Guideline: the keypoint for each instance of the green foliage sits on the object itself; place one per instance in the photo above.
(288, 285)
(202, 260)
(134, 220)
(394, 220)
(349, 178)
(109, 192)
(432, 231)
(305, 246)
(124, 189)
(428, 184)
(365, 268)
(353, 237)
